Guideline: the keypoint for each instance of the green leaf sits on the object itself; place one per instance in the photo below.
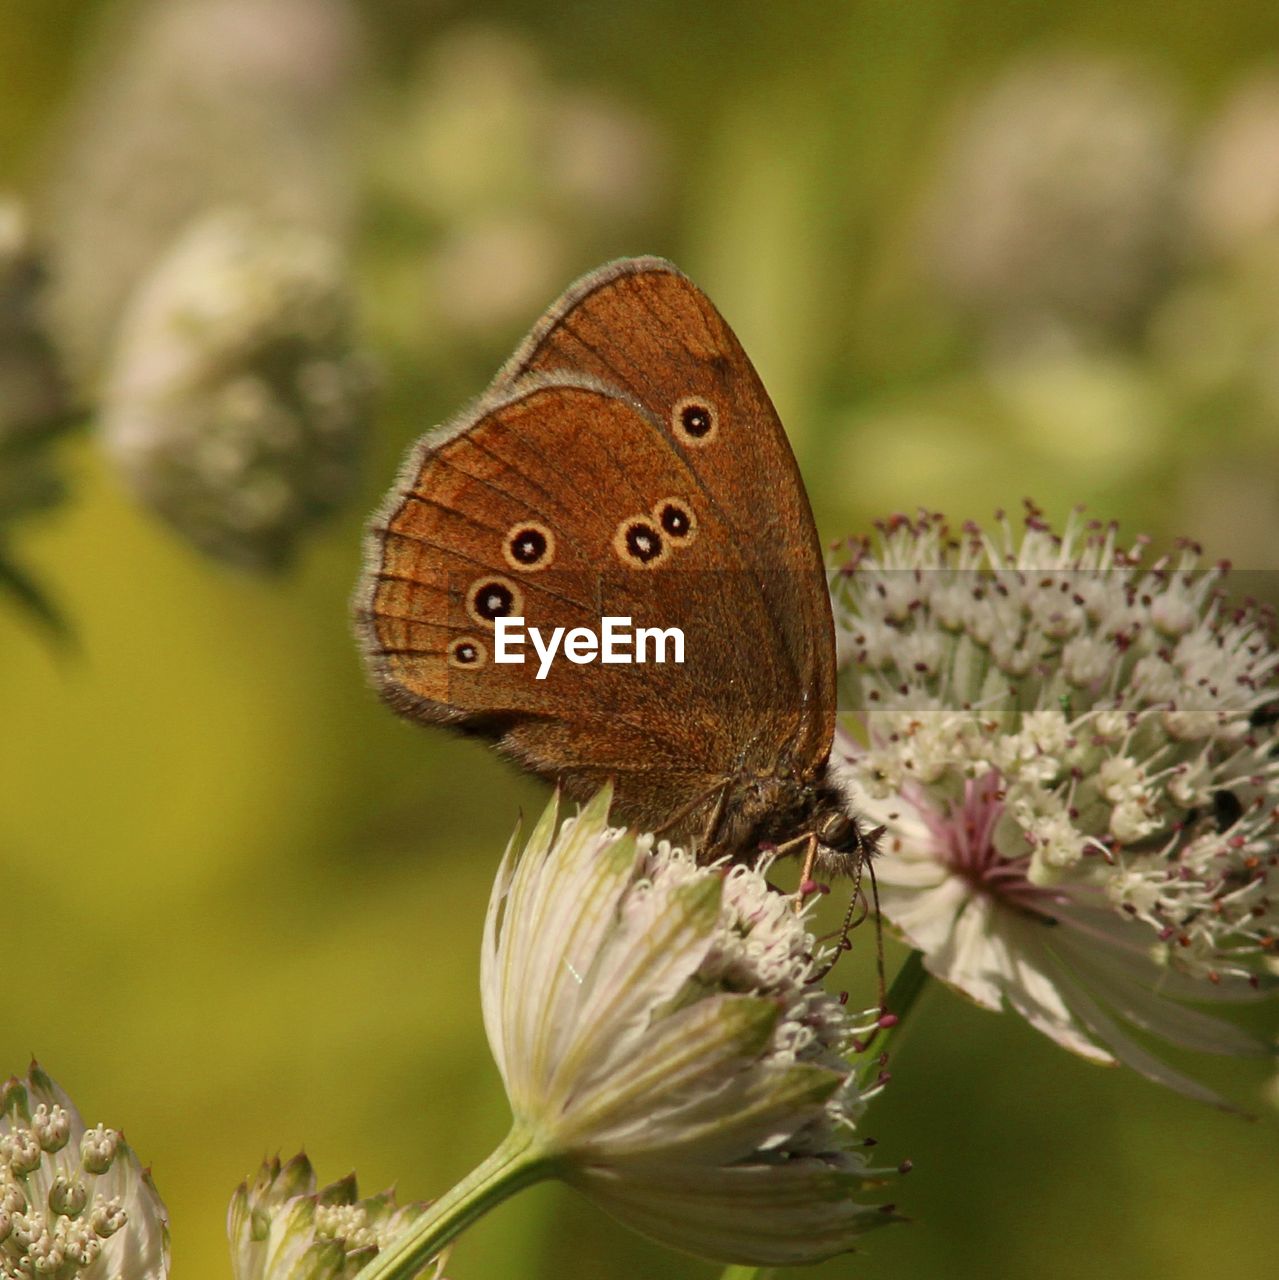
(30, 595)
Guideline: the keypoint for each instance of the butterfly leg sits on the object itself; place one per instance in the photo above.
(677, 818)
(712, 822)
(807, 885)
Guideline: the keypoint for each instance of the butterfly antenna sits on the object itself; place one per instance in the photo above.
(867, 861)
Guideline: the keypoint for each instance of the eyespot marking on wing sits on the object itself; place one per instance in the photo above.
(466, 653)
(676, 519)
(639, 543)
(694, 420)
(494, 597)
(529, 546)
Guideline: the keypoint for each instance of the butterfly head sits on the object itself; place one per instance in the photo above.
(778, 812)
(843, 842)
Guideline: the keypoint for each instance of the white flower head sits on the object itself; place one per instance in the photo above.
(180, 107)
(282, 1227)
(1081, 800)
(74, 1202)
(663, 1040)
(237, 404)
(1053, 204)
(1234, 187)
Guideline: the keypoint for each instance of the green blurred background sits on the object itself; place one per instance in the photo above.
(979, 251)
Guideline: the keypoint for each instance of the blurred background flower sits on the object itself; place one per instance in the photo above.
(186, 105)
(1058, 207)
(237, 406)
(500, 181)
(1234, 182)
(212, 805)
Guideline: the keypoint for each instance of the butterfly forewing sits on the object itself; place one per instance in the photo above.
(641, 326)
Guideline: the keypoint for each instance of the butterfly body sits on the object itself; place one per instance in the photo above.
(626, 463)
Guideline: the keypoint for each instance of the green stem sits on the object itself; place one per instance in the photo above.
(907, 987)
(911, 979)
(517, 1163)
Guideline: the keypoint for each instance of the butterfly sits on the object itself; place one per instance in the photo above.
(626, 462)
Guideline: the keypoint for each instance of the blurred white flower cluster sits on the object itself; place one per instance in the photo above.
(1076, 758)
(74, 1201)
(1093, 301)
(198, 212)
(236, 406)
(514, 182)
(183, 107)
(1057, 198)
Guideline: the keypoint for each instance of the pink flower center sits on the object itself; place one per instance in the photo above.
(964, 840)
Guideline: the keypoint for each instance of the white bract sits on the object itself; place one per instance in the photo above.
(74, 1202)
(664, 1043)
(1076, 760)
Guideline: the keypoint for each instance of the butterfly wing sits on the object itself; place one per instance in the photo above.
(641, 326)
(619, 412)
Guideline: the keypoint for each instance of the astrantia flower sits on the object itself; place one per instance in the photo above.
(1077, 763)
(1054, 198)
(237, 405)
(181, 107)
(282, 1228)
(74, 1202)
(664, 1043)
(1234, 193)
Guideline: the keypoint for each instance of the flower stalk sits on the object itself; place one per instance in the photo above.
(518, 1162)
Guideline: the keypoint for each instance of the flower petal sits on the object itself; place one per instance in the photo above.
(642, 964)
(926, 918)
(1129, 1052)
(755, 1214)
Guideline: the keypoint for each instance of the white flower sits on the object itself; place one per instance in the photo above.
(664, 1043)
(1054, 200)
(281, 1227)
(1234, 189)
(1090, 840)
(181, 107)
(237, 406)
(74, 1202)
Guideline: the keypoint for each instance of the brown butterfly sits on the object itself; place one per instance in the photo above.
(626, 462)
